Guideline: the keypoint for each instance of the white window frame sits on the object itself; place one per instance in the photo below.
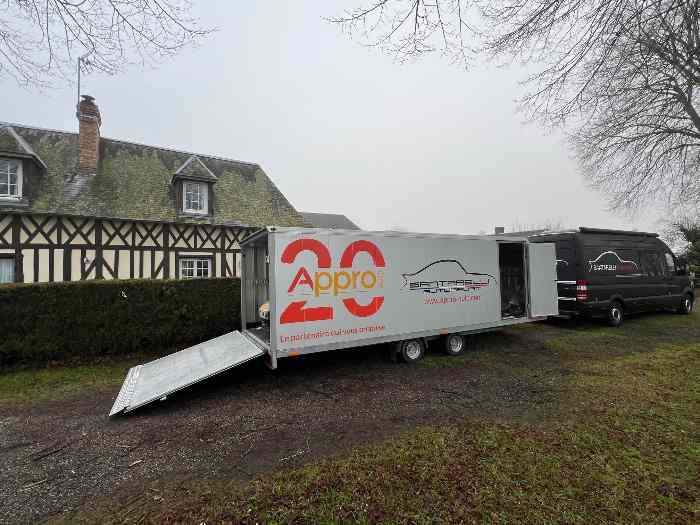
(190, 267)
(203, 197)
(20, 176)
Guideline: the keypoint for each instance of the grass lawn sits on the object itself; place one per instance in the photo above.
(619, 442)
(32, 385)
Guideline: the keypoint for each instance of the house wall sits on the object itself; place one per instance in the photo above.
(51, 248)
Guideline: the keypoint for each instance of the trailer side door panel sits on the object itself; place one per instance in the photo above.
(542, 270)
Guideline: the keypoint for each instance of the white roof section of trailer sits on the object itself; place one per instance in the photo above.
(383, 233)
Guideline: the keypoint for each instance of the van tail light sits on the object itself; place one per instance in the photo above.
(581, 290)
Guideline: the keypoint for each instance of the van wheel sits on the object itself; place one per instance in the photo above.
(454, 344)
(615, 314)
(686, 304)
(411, 350)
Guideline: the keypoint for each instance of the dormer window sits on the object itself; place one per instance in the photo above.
(194, 183)
(10, 179)
(195, 196)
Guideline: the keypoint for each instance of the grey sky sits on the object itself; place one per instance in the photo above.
(341, 128)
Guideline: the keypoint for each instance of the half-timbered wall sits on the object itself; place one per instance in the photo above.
(48, 248)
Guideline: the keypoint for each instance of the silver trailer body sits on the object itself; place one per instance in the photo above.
(333, 289)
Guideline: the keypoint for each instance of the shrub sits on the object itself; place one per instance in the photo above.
(89, 319)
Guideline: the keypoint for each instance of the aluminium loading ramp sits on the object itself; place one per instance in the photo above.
(160, 378)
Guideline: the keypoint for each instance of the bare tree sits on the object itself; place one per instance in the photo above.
(683, 233)
(410, 28)
(40, 40)
(623, 74)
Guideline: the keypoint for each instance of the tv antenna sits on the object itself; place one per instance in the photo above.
(82, 60)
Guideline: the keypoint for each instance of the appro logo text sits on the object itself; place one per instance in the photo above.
(337, 282)
(324, 281)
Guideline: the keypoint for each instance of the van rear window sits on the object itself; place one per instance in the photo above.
(566, 261)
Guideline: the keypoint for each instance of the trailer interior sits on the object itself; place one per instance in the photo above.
(511, 262)
(255, 280)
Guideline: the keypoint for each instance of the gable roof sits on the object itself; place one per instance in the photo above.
(333, 221)
(11, 142)
(134, 181)
(194, 168)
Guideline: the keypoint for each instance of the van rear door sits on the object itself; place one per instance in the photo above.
(542, 273)
(566, 273)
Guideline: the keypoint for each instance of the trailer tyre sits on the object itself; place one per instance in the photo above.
(454, 344)
(615, 314)
(411, 350)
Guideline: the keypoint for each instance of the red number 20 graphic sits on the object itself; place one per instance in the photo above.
(297, 313)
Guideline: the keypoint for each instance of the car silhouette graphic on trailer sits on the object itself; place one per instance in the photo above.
(611, 262)
(444, 276)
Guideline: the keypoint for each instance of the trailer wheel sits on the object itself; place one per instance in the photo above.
(454, 344)
(411, 350)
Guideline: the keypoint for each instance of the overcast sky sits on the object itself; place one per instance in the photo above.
(341, 128)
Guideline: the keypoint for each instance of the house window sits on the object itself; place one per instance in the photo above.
(195, 197)
(7, 269)
(10, 179)
(195, 268)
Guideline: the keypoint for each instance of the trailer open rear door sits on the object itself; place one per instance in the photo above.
(542, 269)
(157, 379)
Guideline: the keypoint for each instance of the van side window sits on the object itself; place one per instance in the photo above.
(628, 262)
(670, 263)
(652, 264)
(612, 261)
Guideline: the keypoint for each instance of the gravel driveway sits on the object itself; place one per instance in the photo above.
(61, 455)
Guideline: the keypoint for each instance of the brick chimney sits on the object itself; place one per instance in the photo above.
(88, 135)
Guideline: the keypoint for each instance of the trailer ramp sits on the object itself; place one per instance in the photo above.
(155, 380)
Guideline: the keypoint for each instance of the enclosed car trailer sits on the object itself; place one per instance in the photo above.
(325, 290)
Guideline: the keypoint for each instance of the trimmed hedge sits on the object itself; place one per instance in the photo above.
(78, 320)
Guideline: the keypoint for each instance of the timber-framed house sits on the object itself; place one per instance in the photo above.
(76, 206)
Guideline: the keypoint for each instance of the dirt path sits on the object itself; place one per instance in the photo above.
(62, 455)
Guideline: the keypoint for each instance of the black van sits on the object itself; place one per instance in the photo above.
(609, 273)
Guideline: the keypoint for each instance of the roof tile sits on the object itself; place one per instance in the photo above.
(133, 181)
(333, 221)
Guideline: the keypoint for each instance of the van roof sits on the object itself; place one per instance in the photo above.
(583, 229)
